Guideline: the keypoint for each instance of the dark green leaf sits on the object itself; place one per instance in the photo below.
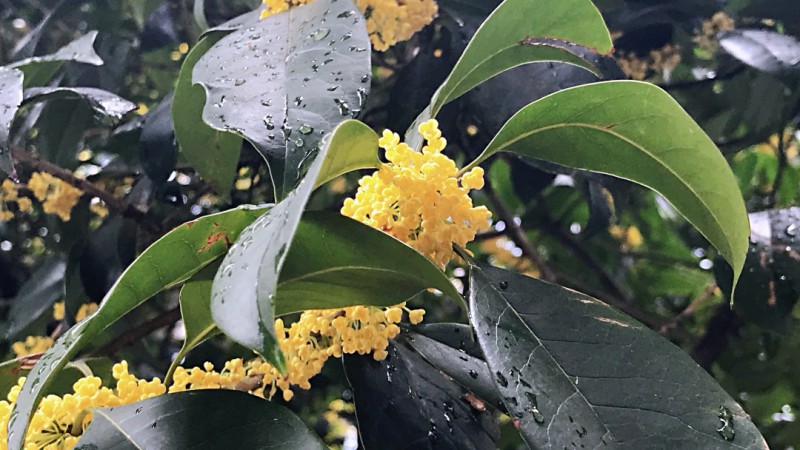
(105, 104)
(10, 99)
(172, 259)
(61, 126)
(243, 294)
(40, 69)
(206, 419)
(215, 154)
(468, 370)
(195, 302)
(36, 297)
(336, 261)
(285, 81)
(403, 402)
(158, 151)
(575, 371)
(635, 131)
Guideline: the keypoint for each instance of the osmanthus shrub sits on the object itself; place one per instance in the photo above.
(301, 287)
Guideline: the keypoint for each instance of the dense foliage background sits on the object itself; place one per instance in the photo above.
(733, 65)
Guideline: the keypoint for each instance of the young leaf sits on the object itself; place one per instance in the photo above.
(10, 99)
(336, 261)
(403, 402)
(635, 131)
(525, 31)
(195, 420)
(195, 302)
(39, 70)
(243, 293)
(574, 371)
(285, 81)
(361, 154)
(214, 153)
(170, 260)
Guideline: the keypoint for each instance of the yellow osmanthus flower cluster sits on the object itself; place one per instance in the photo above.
(10, 195)
(57, 196)
(388, 21)
(38, 344)
(419, 199)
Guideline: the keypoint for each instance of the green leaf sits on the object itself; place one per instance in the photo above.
(195, 303)
(466, 369)
(336, 262)
(243, 293)
(285, 81)
(205, 419)
(105, 104)
(39, 70)
(10, 99)
(361, 154)
(405, 403)
(635, 131)
(575, 371)
(36, 297)
(214, 153)
(12, 370)
(171, 260)
(525, 31)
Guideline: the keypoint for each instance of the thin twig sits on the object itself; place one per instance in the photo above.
(707, 293)
(515, 233)
(133, 335)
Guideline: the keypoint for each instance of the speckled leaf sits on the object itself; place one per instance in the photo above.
(404, 403)
(336, 261)
(39, 70)
(199, 420)
(214, 153)
(10, 99)
(107, 106)
(636, 131)
(172, 259)
(576, 372)
(243, 293)
(285, 81)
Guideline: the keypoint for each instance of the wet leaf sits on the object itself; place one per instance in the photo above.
(403, 402)
(39, 70)
(10, 99)
(575, 371)
(105, 105)
(243, 293)
(335, 261)
(618, 128)
(195, 420)
(172, 259)
(213, 153)
(767, 51)
(36, 297)
(285, 81)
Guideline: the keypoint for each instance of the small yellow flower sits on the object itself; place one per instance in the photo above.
(58, 197)
(85, 310)
(58, 311)
(31, 345)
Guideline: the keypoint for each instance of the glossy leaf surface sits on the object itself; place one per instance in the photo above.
(575, 371)
(10, 99)
(284, 81)
(618, 128)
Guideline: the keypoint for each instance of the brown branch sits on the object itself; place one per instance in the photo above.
(516, 234)
(133, 335)
(707, 293)
(117, 204)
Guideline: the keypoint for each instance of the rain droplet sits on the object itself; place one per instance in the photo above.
(365, 78)
(239, 81)
(362, 96)
(268, 122)
(320, 34)
(299, 142)
(473, 374)
(298, 101)
(305, 129)
(503, 285)
(501, 379)
(345, 14)
(726, 421)
(791, 230)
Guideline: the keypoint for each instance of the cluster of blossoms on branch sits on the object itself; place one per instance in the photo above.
(421, 198)
(388, 21)
(56, 196)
